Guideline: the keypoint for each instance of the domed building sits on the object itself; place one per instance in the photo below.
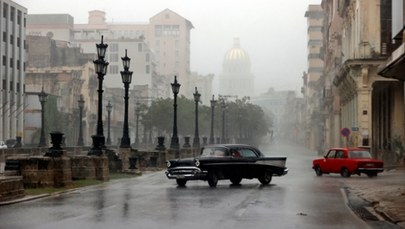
(236, 77)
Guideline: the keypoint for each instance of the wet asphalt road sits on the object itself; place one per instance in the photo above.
(297, 200)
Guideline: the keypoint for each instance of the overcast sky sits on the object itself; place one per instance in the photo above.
(273, 32)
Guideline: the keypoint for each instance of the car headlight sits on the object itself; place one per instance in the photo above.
(168, 164)
(197, 163)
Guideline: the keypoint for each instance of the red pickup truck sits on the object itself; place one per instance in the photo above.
(348, 161)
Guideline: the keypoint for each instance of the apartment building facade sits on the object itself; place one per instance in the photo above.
(311, 89)
(13, 54)
(371, 107)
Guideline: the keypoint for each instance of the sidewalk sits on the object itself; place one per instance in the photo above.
(385, 193)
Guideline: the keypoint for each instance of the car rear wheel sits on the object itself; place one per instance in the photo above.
(266, 177)
(236, 180)
(212, 179)
(345, 172)
(318, 171)
(181, 182)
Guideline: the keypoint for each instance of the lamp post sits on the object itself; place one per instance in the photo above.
(109, 109)
(223, 106)
(43, 96)
(126, 76)
(100, 66)
(137, 112)
(81, 106)
(175, 139)
(213, 102)
(196, 141)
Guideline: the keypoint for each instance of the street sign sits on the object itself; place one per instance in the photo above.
(355, 129)
(345, 132)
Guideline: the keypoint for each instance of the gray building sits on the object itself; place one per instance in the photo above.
(13, 55)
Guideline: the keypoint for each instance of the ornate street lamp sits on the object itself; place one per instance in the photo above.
(196, 141)
(223, 106)
(126, 76)
(213, 102)
(175, 139)
(109, 109)
(43, 96)
(137, 112)
(100, 66)
(81, 106)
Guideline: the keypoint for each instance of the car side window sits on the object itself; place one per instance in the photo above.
(247, 153)
(340, 154)
(331, 154)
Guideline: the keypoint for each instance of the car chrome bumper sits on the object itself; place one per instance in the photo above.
(285, 171)
(365, 170)
(188, 173)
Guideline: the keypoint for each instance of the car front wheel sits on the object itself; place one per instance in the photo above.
(266, 177)
(212, 179)
(318, 171)
(236, 180)
(345, 172)
(181, 182)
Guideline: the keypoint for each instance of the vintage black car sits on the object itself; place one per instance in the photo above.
(226, 161)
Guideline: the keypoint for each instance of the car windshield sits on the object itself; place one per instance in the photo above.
(213, 152)
(359, 154)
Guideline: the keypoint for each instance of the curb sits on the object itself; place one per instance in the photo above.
(373, 217)
(26, 198)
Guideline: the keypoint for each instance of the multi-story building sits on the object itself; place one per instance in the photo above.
(13, 54)
(158, 48)
(394, 68)
(64, 73)
(312, 89)
(356, 45)
(236, 77)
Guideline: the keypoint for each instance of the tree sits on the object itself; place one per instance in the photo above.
(245, 122)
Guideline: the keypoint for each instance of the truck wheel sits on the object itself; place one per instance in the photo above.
(181, 182)
(345, 172)
(266, 177)
(212, 179)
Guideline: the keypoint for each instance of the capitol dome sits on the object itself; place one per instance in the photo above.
(236, 56)
(236, 77)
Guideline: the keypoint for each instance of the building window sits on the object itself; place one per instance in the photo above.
(5, 12)
(114, 69)
(12, 14)
(147, 69)
(18, 41)
(147, 57)
(19, 18)
(18, 64)
(11, 39)
(114, 57)
(11, 62)
(4, 84)
(4, 61)
(113, 47)
(4, 37)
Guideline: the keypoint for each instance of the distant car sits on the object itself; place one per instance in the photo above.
(348, 161)
(226, 161)
(3, 145)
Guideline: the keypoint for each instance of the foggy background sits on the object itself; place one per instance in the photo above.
(274, 33)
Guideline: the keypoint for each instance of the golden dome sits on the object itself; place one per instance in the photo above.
(236, 55)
